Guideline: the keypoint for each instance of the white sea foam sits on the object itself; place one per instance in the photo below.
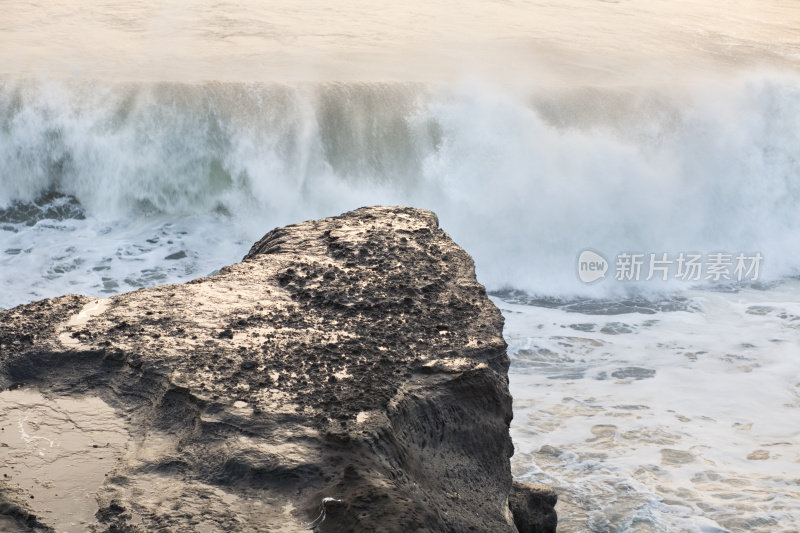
(682, 420)
(524, 184)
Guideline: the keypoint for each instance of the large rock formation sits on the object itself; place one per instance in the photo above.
(348, 375)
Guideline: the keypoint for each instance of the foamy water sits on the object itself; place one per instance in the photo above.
(677, 421)
(153, 142)
(524, 184)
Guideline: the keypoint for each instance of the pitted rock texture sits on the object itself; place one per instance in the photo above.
(354, 358)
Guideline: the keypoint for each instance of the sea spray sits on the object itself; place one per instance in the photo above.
(525, 182)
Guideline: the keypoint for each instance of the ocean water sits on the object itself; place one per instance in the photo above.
(153, 142)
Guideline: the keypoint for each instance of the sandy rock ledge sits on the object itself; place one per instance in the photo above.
(349, 374)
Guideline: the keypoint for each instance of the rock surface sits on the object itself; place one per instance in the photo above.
(348, 375)
(533, 507)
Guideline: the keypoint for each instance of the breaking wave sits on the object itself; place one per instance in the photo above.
(524, 180)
